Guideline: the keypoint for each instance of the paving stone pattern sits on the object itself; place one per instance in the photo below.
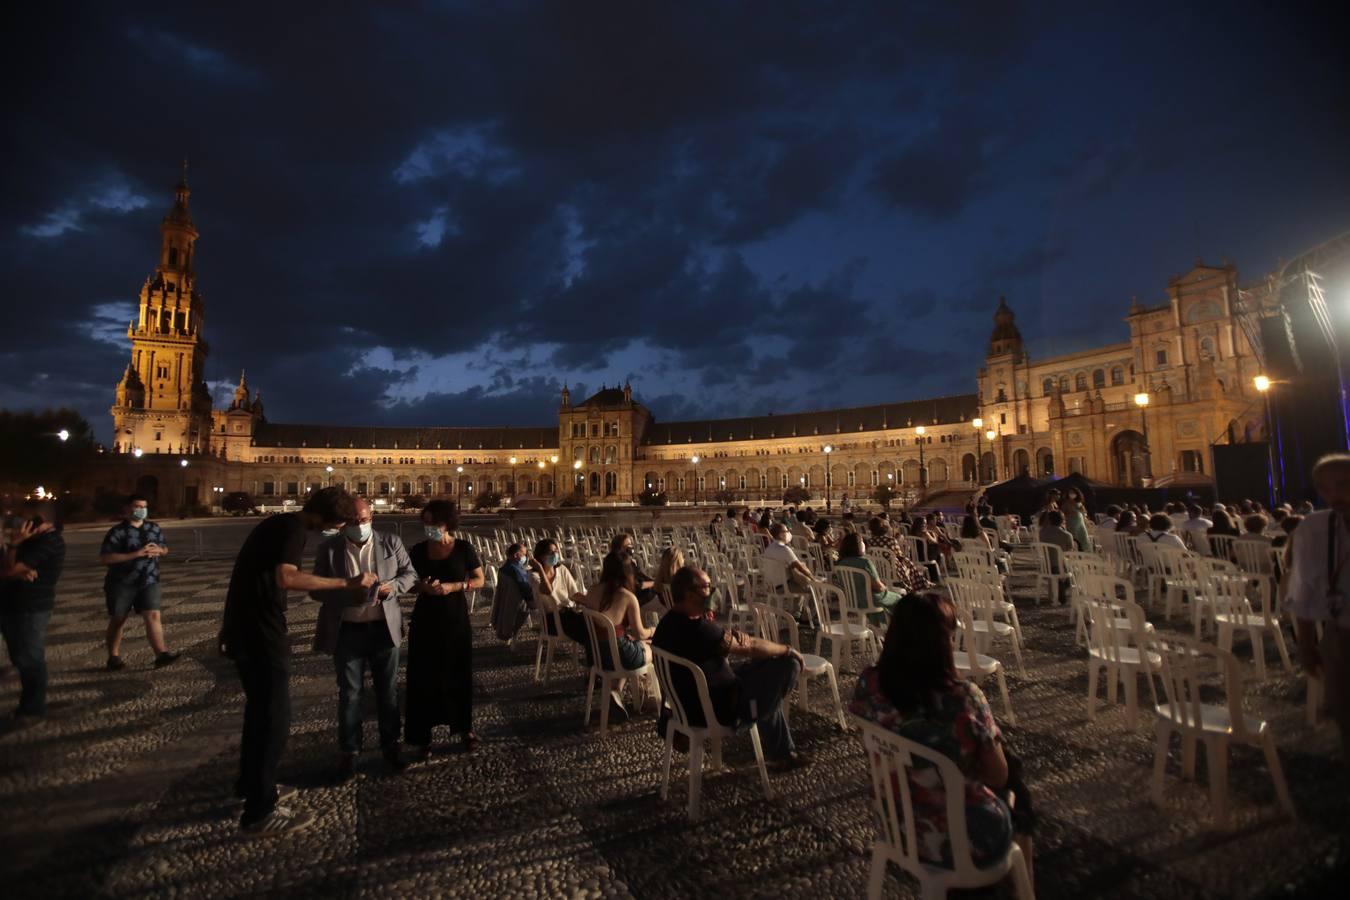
(121, 791)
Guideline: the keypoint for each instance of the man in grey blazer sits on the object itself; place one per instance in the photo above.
(363, 628)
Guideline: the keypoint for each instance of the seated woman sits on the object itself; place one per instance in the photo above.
(908, 574)
(853, 563)
(823, 537)
(974, 537)
(914, 691)
(613, 597)
(556, 587)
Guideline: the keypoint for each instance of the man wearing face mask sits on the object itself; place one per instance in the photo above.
(131, 551)
(362, 628)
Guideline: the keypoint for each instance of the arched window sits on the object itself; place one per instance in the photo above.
(1080, 382)
(611, 455)
(1064, 384)
(1207, 348)
(1098, 378)
(595, 456)
(1048, 386)
(1117, 375)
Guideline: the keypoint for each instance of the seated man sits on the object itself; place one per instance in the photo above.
(796, 574)
(752, 691)
(1052, 531)
(1160, 532)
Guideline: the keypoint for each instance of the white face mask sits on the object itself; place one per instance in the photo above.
(358, 534)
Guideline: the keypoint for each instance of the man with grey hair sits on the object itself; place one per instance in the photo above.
(1319, 588)
(362, 628)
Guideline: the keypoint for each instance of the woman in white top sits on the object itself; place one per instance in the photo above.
(550, 578)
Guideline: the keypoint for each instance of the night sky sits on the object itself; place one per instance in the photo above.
(437, 214)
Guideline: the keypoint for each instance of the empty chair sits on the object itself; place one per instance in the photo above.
(894, 760)
(840, 624)
(985, 601)
(1232, 611)
(1109, 649)
(1187, 666)
(710, 732)
(777, 625)
(1049, 570)
(976, 665)
(550, 636)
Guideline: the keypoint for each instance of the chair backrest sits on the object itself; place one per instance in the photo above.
(980, 598)
(1078, 563)
(1221, 546)
(601, 633)
(891, 759)
(831, 603)
(856, 584)
(775, 624)
(775, 573)
(1049, 558)
(1108, 588)
(1104, 634)
(666, 665)
(1227, 592)
(1253, 556)
(1190, 667)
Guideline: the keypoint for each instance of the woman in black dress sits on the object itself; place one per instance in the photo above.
(440, 640)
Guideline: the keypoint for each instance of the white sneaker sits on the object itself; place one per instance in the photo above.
(280, 821)
(284, 792)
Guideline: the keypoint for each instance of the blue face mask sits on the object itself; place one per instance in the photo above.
(140, 513)
(433, 533)
(554, 560)
(358, 534)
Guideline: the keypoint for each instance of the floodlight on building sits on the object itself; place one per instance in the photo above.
(1262, 383)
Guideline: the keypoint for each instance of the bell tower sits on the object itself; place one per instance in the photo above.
(162, 404)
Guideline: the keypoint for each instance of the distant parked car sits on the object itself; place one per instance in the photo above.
(238, 503)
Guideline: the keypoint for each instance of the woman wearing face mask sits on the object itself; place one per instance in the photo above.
(440, 640)
(643, 586)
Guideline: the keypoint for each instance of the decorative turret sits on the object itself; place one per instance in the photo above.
(1005, 338)
(566, 398)
(240, 393)
(627, 392)
(258, 404)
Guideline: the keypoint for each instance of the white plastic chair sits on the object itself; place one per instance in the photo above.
(550, 620)
(1186, 666)
(984, 602)
(1049, 569)
(777, 624)
(1232, 610)
(596, 625)
(975, 665)
(890, 757)
(847, 629)
(712, 732)
(1109, 649)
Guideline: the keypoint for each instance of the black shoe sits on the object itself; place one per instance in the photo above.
(794, 760)
(393, 756)
(166, 658)
(116, 664)
(346, 768)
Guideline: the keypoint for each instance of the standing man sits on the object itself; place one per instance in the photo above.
(360, 628)
(753, 691)
(254, 636)
(32, 563)
(131, 551)
(1319, 589)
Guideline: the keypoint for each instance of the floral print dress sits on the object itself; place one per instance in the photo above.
(958, 724)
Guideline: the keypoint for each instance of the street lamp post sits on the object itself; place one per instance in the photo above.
(1141, 401)
(923, 470)
(576, 479)
(694, 460)
(329, 470)
(541, 476)
(828, 451)
(1263, 385)
(512, 486)
(554, 461)
(990, 435)
(979, 451)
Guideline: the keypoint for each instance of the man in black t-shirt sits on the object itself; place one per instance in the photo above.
(254, 636)
(754, 689)
(34, 555)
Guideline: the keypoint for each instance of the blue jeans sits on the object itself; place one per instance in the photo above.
(25, 636)
(766, 682)
(361, 644)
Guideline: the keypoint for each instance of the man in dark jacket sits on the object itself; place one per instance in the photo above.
(34, 556)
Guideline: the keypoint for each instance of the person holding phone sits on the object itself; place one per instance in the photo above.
(131, 550)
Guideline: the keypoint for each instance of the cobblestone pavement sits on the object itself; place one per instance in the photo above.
(121, 790)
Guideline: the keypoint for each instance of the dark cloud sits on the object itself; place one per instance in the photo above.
(739, 206)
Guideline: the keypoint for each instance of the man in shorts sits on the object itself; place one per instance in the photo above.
(131, 551)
